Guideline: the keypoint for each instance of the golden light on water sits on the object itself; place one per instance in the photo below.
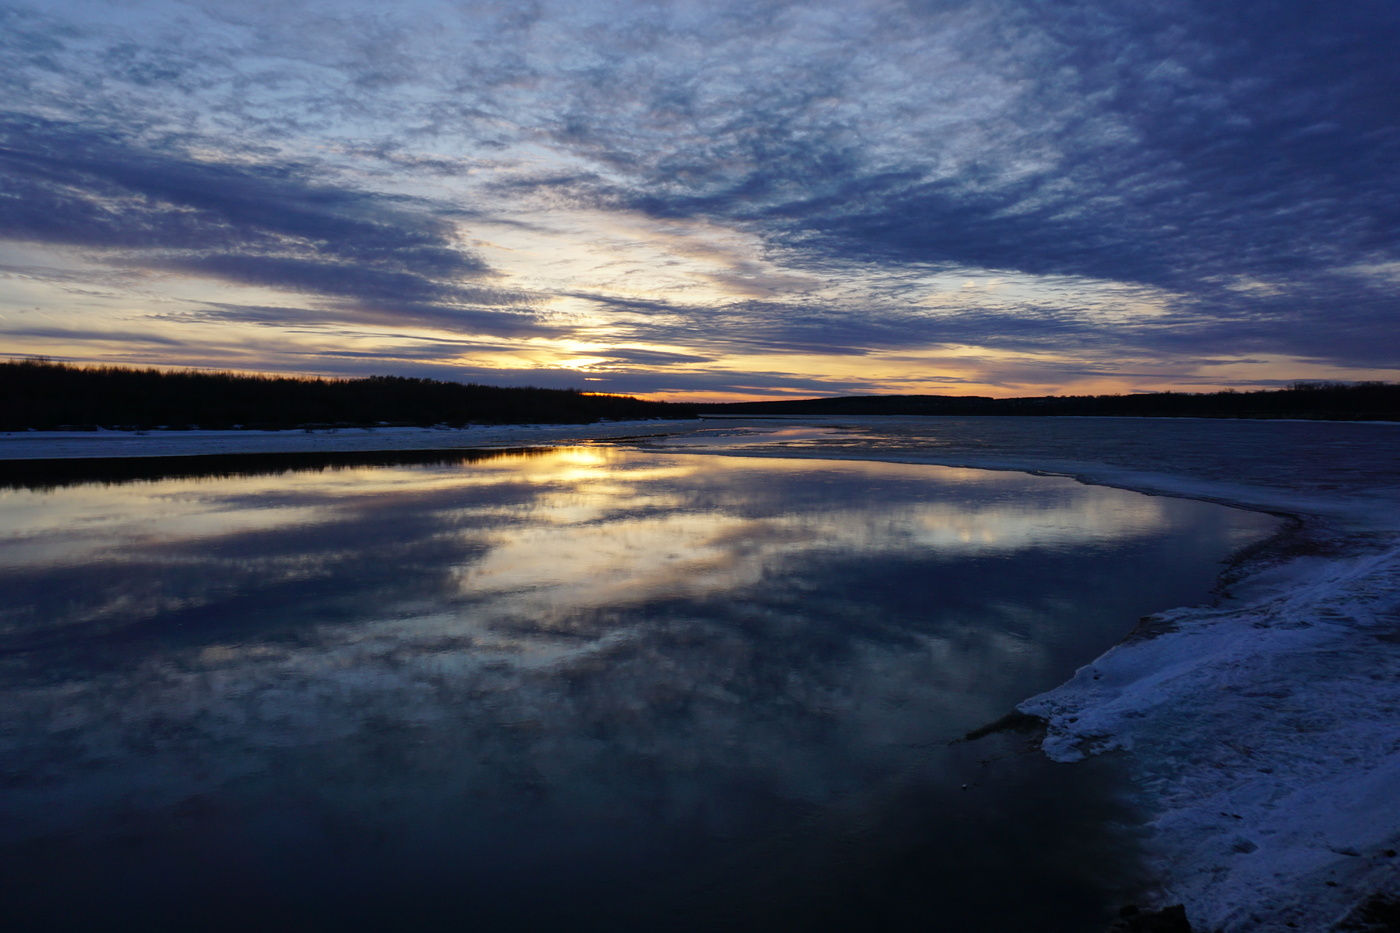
(605, 520)
(546, 628)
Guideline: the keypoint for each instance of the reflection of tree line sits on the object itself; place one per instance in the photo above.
(43, 475)
(40, 394)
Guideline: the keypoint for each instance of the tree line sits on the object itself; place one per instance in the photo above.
(45, 395)
(1330, 401)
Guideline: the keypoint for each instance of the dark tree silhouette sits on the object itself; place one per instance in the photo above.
(1330, 401)
(37, 393)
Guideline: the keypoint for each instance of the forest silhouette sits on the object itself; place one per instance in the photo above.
(1328, 401)
(44, 395)
(39, 394)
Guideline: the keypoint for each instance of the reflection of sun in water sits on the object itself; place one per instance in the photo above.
(583, 456)
(582, 466)
(606, 535)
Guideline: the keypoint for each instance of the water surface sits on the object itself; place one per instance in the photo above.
(571, 689)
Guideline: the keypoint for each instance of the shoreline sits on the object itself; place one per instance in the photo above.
(1276, 798)
(1262, 729)
(83, 445)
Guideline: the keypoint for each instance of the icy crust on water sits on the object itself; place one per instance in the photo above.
(1265, 730)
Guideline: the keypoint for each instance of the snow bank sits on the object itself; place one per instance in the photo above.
(1265, 736)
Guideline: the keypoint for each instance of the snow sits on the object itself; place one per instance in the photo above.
(37, 445)
(1264, 730)
(1265, 734)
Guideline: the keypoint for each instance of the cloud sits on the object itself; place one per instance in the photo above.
(1163, 147)
(634, 356)
(90, 335)
(1179, 179)
(263, 224)
(1152, 147)
(1171, 149)
(81, 186)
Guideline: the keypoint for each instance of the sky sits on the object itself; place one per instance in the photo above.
(708, 200)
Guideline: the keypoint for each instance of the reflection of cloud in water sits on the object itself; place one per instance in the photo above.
(588, 550)
(581, 527)
(582, 485)
(665, 705)
(531, 539)
(671, 644)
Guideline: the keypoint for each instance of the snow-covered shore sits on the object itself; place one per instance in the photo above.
(1264, 730)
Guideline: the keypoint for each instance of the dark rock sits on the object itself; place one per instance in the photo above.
(1014, 721)
(1380, 914)
(1132, 919)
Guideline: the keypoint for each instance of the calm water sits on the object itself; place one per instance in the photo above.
(585, 689)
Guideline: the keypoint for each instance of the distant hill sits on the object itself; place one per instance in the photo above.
(46, 396)
(1330, 401)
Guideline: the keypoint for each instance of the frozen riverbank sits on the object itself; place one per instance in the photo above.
(1263, 730)
(1265, 733)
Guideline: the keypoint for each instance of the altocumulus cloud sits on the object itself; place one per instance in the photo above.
(267, 224)
(1161, 183)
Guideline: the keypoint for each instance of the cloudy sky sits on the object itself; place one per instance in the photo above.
(708, 199)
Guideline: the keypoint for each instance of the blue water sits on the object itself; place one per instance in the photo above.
(582, 689)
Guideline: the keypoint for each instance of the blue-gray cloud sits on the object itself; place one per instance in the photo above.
(1236, 164)
(1183, 147)
(1191, 140)
(267, 224)
(1157, 145)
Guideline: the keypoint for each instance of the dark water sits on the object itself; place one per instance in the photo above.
(585, 689)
